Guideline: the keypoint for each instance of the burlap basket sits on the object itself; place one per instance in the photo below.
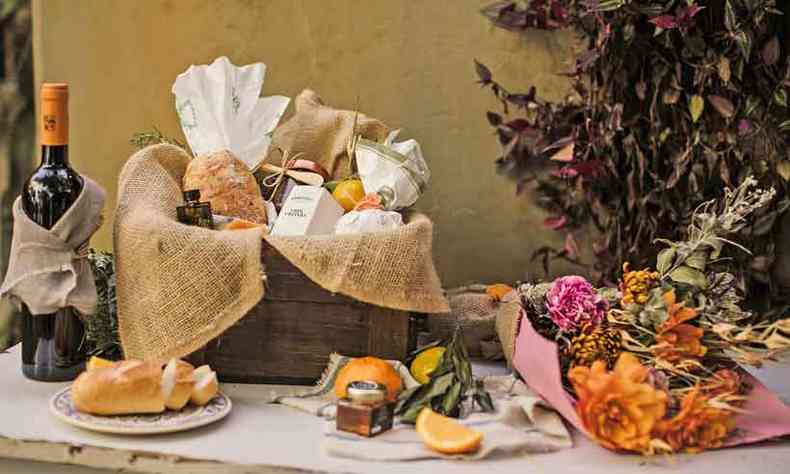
(475, 311)
(179, 286)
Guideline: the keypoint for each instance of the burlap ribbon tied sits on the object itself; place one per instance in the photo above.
(180, 286)
(48, 269)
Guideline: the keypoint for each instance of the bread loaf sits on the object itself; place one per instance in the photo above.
(206, 386)
(177, 383)
(134, 387)
(125, 388)
(227, 183)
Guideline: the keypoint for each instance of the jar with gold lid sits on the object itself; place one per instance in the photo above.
(366, 410)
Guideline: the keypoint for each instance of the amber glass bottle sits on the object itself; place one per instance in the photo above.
(52, 344)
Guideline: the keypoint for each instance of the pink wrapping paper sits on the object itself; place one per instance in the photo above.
(537, 360)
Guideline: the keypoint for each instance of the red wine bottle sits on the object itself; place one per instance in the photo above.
(52, 344)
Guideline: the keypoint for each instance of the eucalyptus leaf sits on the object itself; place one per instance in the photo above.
(771, 51)
(723, 106)
(730, 18)
(724, 69)
(780, 97)
(696, 106)
(783, 168)
(689, 276)
(665, 259)
(698, 260)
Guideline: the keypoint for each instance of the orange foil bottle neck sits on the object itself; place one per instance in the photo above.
(54, 121)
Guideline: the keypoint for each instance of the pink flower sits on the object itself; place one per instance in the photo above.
(573, 302)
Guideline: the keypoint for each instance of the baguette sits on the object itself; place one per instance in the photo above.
(128, 387)
(177, 383)
(206, 386)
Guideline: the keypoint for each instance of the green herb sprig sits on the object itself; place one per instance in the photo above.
(141, 140)
(101, 329)
(450, 385)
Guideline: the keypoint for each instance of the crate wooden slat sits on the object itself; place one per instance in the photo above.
(288, 336)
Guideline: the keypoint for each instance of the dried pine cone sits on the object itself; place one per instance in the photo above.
(636, 285)
(600, 343)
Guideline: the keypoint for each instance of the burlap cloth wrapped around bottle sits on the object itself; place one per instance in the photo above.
(180, 286)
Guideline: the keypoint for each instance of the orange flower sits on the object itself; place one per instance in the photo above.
(677, 340)
(678, 313)
(697, 426)
(636, 285)
(723, 382)
(618, 409)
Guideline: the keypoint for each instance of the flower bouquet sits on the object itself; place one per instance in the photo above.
(655, 366)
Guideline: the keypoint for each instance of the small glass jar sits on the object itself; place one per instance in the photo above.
(366, 411)
(194, 212)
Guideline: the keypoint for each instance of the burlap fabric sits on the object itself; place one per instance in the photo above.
(321, 133)
(475, 311)
(508, 317)
(180, 286)
(509, 314)
(48, 268)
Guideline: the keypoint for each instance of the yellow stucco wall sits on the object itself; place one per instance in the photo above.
(408, 63)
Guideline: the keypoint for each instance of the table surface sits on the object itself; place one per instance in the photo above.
(261, 437)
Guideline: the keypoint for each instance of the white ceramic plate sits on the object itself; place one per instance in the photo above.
(62, 407)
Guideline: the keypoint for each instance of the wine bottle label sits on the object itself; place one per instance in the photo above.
(54, 114)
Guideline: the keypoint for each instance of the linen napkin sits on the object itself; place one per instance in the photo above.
(48, 268)
(522, 423)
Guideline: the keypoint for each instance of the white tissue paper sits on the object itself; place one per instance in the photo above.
(369, 220)
(396, 171)
(220, 108)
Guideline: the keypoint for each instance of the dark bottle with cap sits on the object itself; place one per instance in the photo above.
(52, 344)
(194, 212)
(366, 411)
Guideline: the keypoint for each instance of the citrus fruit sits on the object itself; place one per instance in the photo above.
(372, 369)
(498, 291)
(348, 193)
(425, 363)
(446, 435)
(98, 363)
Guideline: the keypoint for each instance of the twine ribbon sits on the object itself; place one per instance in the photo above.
(275, 180)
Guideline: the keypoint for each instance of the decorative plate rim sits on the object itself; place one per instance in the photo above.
(154, 428)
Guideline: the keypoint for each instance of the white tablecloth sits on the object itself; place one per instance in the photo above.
(257, 433)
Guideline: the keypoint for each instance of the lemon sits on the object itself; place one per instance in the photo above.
(425, 363)
(98, 363)
(446, 435)
(348, 193)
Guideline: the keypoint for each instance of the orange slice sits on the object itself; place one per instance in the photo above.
(98, 363)
(446, 435)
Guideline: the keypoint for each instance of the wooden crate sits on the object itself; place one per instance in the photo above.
(288, 336)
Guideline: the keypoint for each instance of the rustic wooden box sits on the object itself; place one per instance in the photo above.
(288, 336)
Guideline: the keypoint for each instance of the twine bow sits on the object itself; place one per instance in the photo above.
(275, 180)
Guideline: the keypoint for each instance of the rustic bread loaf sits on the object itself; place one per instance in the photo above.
(227, 183)
(135, 387)
(125, 388)
(178, 381)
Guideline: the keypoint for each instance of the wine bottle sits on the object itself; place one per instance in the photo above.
(52, 344)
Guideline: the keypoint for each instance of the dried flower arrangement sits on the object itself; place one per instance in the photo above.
(655, 364)
(674, 100)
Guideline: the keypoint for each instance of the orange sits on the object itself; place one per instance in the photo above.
(348, 193)
(425, 363)
(446, 435)
(498, 291)
(98, 363)
(369, 368)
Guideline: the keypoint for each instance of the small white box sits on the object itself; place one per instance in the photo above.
(309, 210)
